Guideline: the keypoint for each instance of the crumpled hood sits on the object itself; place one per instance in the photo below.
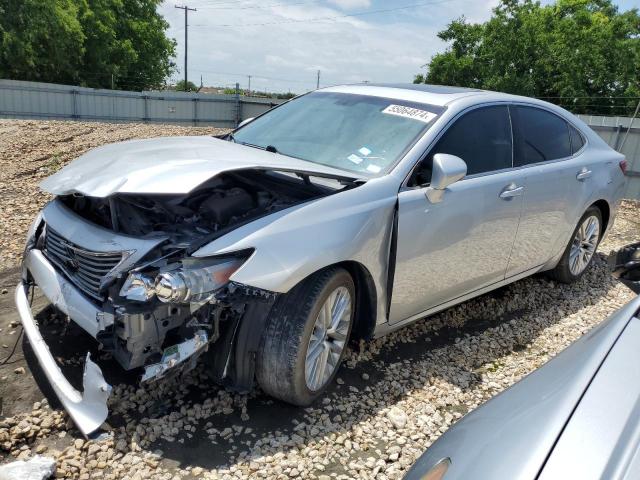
(174, 165)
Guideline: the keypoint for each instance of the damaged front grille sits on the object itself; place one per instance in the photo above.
(85, 268)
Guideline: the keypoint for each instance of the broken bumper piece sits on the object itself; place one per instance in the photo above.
(88, 409)
(180, 357)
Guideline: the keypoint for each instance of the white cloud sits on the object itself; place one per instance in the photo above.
(288, 49)
(350, 4)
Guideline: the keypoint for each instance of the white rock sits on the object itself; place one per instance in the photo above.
(37, 468)
(397, 417)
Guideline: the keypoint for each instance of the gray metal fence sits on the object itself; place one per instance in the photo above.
(20, 99)
(616, 132)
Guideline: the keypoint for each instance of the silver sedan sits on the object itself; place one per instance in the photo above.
(345, 213)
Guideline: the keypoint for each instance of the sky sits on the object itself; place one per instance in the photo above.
(283, 43)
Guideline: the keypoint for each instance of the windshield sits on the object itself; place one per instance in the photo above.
(357, 133)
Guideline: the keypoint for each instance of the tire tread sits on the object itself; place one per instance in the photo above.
(278, 356)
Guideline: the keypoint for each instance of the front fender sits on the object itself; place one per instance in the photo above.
(353, 225)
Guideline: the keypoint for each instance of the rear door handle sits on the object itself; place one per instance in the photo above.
(583, 174)
(510, 191)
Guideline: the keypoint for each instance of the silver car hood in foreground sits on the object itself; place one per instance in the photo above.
(174, 165)
(513, 434)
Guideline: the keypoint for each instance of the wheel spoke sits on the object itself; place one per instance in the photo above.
(575, 260)
(336, 347)
(575, 251)
(322, 366)
(315, 350)
(340, 306)
(590, 230)
(326, 313)
(336, 335)
(311, 367)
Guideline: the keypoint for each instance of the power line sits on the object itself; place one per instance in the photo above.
(320, 19)
(264, 77)
(259, 7)
(230, 2)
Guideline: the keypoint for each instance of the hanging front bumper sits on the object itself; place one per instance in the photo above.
(88, 409)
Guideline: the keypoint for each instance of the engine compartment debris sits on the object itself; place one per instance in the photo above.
(216, 207)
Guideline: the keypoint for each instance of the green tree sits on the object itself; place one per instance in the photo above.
(40, 40)
(191, 87)
(582, 54)
(95, 43)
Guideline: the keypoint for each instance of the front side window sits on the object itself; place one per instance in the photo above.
(481, 137)
(540, 136)
(358, 133)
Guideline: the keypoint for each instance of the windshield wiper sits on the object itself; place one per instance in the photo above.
(268, 148)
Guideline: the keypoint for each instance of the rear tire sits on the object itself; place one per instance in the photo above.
(581, 249)
(299, 336)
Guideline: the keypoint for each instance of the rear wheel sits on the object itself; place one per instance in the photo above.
(581, 249)
(305, 338)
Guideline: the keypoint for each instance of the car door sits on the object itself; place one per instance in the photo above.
(448, 249)
(547, 149)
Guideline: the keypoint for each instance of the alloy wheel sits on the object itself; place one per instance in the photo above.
(328, 338)
(584, 245)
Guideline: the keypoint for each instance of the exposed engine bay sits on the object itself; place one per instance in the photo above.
(213, 209)
(168, 307)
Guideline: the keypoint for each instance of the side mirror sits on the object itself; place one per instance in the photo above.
(245, 121)
(446, 170)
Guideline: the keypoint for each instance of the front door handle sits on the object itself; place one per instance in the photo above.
(583, 174)
(510, 191)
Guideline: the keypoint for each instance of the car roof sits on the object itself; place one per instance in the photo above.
(439, 95)
(432, 94)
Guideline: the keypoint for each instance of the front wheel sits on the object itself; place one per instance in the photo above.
(306, 337)
(581, 249)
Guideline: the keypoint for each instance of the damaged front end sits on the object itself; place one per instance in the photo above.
(122, 268)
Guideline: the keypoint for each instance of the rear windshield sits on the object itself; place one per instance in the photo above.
(357, 133)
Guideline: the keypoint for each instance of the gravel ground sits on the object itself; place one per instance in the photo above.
(393, 398)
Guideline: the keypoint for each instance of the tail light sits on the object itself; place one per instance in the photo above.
(623, 165)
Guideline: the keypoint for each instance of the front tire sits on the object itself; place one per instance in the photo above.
(581, 249)
(306, 336)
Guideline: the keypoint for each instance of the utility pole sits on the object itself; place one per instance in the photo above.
(318, 82)
(635, 114)
(249, 89)
(186, 31)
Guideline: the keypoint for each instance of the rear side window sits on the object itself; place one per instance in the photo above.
(482, 138)
(540, 136)
(577, 140)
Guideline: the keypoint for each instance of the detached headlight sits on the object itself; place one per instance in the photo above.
(195, 281)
